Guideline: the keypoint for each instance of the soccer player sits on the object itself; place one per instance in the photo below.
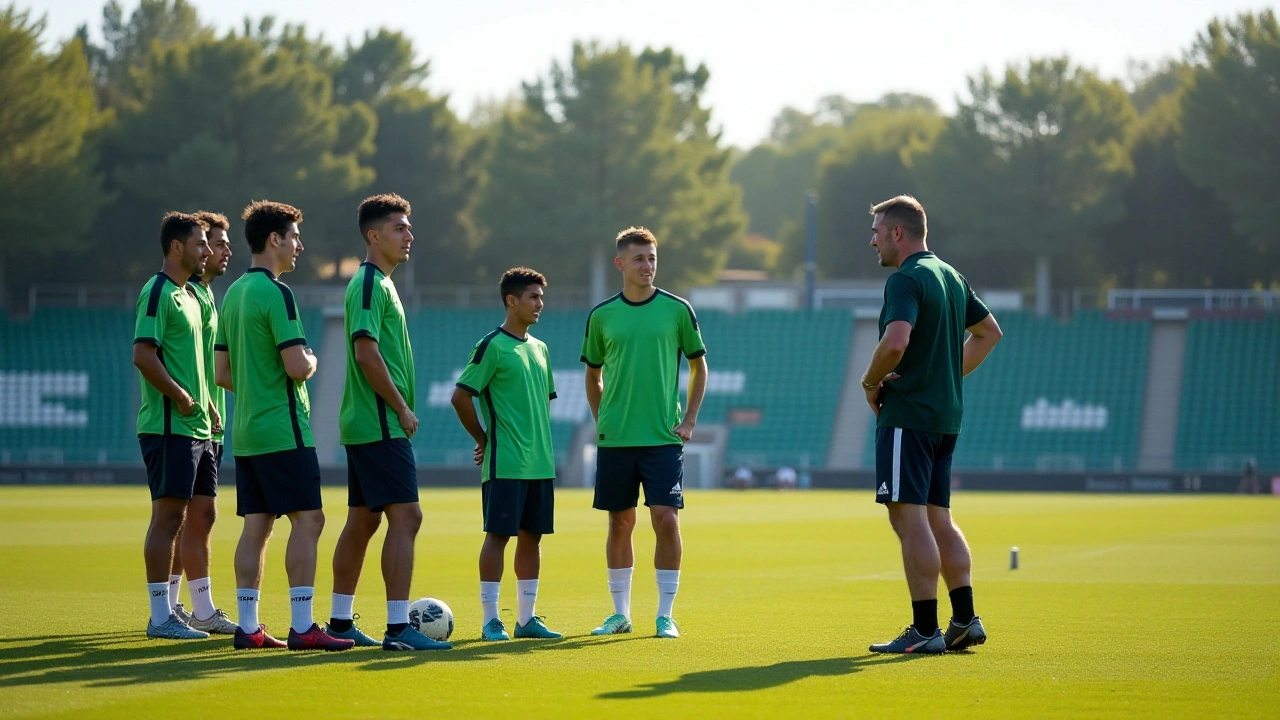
(632, 351)
(261, 356)
(176, 418)
(510, 371)
(376, 423)
(202, 511)
(913, 386)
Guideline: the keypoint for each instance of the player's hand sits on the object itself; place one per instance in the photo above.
(217, 419)
(408, 421)
(875, 395)
(478, 455)
(186, 405)
(685, 429)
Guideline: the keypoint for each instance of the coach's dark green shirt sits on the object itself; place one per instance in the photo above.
(939, 304)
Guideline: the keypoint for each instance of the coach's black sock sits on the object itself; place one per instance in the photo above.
(962, 605)
(926, 616)
(337, 625)
(396, 628)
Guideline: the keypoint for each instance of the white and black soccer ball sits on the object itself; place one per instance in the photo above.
(432, 618)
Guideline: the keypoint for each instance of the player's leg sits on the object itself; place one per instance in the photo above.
(618, 492)
(964, 628)
(171, 469)
(175, 574)
(500, 501)
(393, 490)
(535, 521)
(349, 554)
(662, 470)
(193, 544)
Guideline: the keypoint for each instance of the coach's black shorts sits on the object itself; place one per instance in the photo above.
(620, 471)
(207, 473)
(514, 505)
(174, 463)
(913, 466)
(381, 473)
(278, 483)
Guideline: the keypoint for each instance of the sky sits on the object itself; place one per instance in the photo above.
(762, 56)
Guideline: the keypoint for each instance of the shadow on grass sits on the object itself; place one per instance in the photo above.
(756, 677)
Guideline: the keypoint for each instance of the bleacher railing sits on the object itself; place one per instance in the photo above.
(1267, 300)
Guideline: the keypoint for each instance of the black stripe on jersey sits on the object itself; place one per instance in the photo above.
(692, 316)
(493, 436)
(382, 418)
(290, 305)
(370, 275)
(157, 289)
(292, 391)
(583, 359)
(597, 307)
(223, 348)
(361, 333)
(472, 391)
(697, 355)
(484, 345)
(291, 343)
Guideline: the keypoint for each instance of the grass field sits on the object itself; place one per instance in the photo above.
(1123, 607)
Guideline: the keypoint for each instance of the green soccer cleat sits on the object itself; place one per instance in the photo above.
(912, 642)
(535, 629)
(410, 639)
(613, 625)
(959, 637)
(354, 634)
(667, 627)
(494, 631)
(174, 629)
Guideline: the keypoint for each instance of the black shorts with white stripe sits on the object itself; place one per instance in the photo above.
(914, 467)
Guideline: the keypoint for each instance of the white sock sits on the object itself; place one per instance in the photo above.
(247, 602)
(526, 596)
(668, 583)
(300, 607)
(398, 612)
(342, 605)
(175, 583)
(620, 589)
(160, 611)
(201, 598)
(489, 599)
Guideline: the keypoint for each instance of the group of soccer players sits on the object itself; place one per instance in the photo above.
(189, 353)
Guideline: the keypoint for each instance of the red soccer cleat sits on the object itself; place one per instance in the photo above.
(255, 641)
(317, 639)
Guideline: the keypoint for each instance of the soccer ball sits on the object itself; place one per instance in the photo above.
(432, 618)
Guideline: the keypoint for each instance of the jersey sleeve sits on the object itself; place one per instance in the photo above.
(220, 338)
(975, 311)
(690, 336)
(366, 311)
(901, 299)
(480, 368)
(593, 345)
(286, 325)
(150, 323)
(551, 376)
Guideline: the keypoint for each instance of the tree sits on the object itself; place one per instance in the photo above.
(1230, 114)
(128, 43)
(385, 61)
(49, 191)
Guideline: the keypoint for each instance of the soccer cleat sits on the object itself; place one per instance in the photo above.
(613, 625)
(410, 639)
(254, 641)
(174, 629)
(354, 634)
(667, 627)
(317, 639)
(182, 613)
(494, 631)
(912, 642)
(535, 629)
(219, 624)
(959, 637)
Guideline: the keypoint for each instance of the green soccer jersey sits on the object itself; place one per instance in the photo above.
(512, 377)
(169, 318)
(639, 346)
(259, 319)
(208, 336)
(939, 304)
(373, 311)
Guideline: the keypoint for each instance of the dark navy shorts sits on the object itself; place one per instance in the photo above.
(620, 471)
(179, 466)
(207, 473)
(278, 483)
(514, 505)
(914, 467)
(381, 473)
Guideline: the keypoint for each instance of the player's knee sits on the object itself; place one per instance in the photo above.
(666, 522)
(406, 519)
(310, 522)
(622, 522)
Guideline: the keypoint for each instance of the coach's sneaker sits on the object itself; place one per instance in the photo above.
(494, 631)
(255, 640)
(613, 625)
(316, 639)
(535, 629)
(911, 641)
(410, 639)
(353, 634)
(217, 624)
(174, 629)
(182, 614)
(959, 637)
(667, 627)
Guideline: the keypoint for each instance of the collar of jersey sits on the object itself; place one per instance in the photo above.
(375, 267)
(263, 270)
(513, 337)
(646, 301)
(913, 257)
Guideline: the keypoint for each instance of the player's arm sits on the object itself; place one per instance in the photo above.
(374, 367)
(222, 370)
(299, 362)
(887, 355)
(595, 390)
(697, 389)
(466, 410)
(147, 359)
(983, 336)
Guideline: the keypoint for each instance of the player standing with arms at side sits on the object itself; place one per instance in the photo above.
(261, 356)
(176, 418)
(632, 351)
(510, 371)
(376, 422)
(914, 387)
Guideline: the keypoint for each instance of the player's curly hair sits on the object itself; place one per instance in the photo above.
(263, 217)
(516, 280)
(178, 226)
(377, 208)
(635, 236)
(213, 220)
(905, 212)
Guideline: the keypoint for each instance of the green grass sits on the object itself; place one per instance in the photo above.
(1124, 606)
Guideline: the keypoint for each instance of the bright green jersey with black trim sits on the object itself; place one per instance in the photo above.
(168, 317)
(373, 311)
(208, 336)
(639, 348)
(259, 319)
(512, 377)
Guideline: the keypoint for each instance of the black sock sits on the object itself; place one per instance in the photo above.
(396, 628)
(340, 625)
(926, 616)
(962, 605)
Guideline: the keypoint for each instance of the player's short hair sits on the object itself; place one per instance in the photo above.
(516, 280)
(635, 236)
(263, 217)
(213, 220)
(377, 208)
(178, 226)
(905, 212)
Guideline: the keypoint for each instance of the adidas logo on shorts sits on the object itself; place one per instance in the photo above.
(676, 490)
(883, 489)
